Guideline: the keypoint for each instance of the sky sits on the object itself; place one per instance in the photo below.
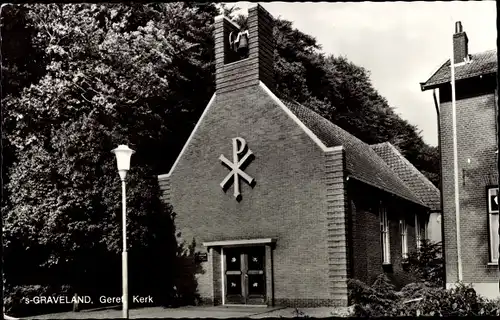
(400, 43)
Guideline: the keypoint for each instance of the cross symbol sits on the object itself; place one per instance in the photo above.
(255, 260)
(239, 147)
(255, 284)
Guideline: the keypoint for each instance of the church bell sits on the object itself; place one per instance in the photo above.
(232, 41)
(239, 43)
(243, 43)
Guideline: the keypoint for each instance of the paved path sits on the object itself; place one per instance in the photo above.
(200, 312)
(159, 312)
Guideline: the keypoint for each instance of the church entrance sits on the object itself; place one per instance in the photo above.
(245, 275)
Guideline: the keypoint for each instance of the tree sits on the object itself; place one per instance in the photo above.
(115, 74)
(22, 62)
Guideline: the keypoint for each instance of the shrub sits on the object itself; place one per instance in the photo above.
(359, 292)
(418, 299)
(186, 285)
(414, 290)
(490, 308)
(459, 301)
(15, 304)
(427, 263)
(384, 287)
(376, 300)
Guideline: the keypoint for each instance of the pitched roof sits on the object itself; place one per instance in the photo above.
(480, 64)
(362, 161)
(413, 178)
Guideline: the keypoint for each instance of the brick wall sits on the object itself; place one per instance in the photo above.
(337, 224)
(366, 240)
(477, 141)
(460, 47)
(231, 75)
(288, 202)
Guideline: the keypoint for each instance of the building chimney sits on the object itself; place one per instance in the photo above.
(233, 74)
(460, 44)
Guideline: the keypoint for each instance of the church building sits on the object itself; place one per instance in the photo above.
(285, 206)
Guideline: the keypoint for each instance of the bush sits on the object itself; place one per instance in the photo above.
(490, 308)
(376, 300)
(419, 299)
(359, 292)
(427, 263)
(15, 303)
(459, 301)
(186, 285)
(414, 290)
(384, 288)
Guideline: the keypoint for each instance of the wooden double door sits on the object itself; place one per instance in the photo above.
(245, 275)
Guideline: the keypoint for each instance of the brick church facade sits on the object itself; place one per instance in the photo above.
(477, 146)
(286, 205)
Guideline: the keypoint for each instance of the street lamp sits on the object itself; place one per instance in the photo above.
(123, 154)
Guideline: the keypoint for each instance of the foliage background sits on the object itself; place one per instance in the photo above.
(79, 79)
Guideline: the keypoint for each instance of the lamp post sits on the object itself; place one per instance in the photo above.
(123, 154)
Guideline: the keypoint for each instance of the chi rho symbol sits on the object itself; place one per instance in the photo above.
(236, 166)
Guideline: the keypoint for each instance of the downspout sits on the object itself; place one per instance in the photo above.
(455, 166)
(436, 104)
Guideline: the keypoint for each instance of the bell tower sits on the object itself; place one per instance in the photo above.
(243, 58)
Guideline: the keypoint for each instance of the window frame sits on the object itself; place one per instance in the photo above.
(403, 228)
(492, 233)
(385, 241)
(418, 232)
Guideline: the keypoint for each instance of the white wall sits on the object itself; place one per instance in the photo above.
(434, 227)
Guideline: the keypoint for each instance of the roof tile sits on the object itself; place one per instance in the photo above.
(414, 179)
(362, 162)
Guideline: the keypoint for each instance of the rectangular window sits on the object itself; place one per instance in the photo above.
(384, 234)
(404, 238)
(419, 231)
(493, 222)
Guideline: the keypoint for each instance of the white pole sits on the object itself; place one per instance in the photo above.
(124, 254)
(455, 165)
